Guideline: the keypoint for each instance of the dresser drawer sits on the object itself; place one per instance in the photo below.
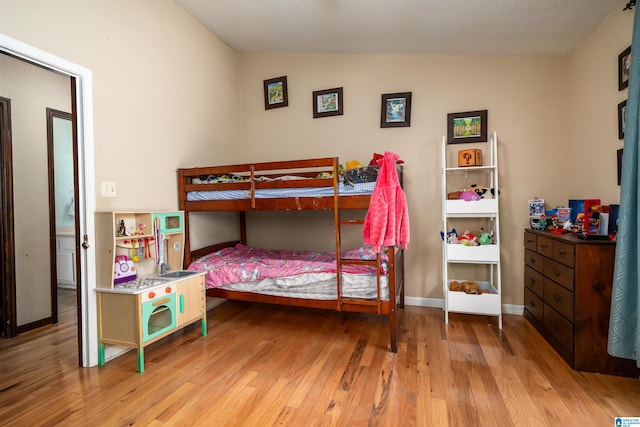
(559, 327)
(559, 298)
(563, 253)
(533, 280)
(533, 304)
(544, 246)
(533, 260)
(530, 241)
(559, 273)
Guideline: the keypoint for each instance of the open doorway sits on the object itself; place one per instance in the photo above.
(37, 153)
(82, 105)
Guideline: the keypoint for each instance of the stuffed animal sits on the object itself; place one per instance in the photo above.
(452, 236)
(468, 239)
(486, 238)
(470, 287)
(352, 164)
(484, 193)
(469, 196)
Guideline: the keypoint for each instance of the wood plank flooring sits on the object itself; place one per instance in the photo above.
(263, 365)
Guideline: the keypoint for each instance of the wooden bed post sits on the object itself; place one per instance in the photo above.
(242, 224)
(393, 322)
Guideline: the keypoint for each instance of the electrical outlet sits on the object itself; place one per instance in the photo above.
(108, 189)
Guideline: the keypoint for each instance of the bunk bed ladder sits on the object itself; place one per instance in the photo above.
(340, 261)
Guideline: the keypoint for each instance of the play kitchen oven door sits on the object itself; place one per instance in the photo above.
(158, 311)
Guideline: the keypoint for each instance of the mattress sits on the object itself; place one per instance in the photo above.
(359, 189)
(318, 286)
(296, 274)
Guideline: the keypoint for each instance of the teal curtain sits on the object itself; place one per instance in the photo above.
(624, 324)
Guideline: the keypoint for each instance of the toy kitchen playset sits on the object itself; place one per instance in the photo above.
(143, 293)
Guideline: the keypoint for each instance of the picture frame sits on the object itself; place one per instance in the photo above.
(624, 67)
(622, 118)
(395, 110)
(328, 102)
(468, 126)
(276, 94)
(619, 156)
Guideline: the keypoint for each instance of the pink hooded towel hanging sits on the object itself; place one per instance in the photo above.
(387, 220)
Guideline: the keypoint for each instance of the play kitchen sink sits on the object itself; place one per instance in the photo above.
(178, 274)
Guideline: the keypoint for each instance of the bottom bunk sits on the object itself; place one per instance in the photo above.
(307, 279)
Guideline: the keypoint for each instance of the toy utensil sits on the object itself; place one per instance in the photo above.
(134, 257)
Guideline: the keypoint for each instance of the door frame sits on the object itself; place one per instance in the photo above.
(53, 238)
(7, 247)
(82, 96)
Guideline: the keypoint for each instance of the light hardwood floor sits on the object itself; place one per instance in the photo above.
(263, 365)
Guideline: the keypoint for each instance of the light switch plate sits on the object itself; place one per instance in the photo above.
(108, 189)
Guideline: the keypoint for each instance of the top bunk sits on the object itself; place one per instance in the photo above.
(308, 184)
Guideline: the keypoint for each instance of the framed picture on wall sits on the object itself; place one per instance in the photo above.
(624, 66)
(622, 119)
(275, 93)
(396, 110)
(327, 102)
(469, 126)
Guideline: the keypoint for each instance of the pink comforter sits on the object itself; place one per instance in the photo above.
(245, 264)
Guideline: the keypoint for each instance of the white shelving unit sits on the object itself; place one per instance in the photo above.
(482, 214)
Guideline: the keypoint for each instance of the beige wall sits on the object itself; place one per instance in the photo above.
(165, 89)
(532, 102)
(593, 117)
(169, 94)
(525, 97)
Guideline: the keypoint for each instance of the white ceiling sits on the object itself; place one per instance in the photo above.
(402, 26)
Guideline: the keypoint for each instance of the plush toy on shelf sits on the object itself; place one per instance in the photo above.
(468, 239)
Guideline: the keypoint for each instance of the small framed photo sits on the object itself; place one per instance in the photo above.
(275, 93)
(396, 110)
(624, 66)
(622, 119)
(619, 166)
(327, 103)
(469, 126)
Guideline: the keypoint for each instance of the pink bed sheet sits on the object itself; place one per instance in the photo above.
(241, 264)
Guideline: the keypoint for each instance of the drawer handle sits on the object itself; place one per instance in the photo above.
(529, 241)
(532, 281)
(544, 246)
(556, 272)
(556, 298)
(561, 252)
(532, 303)
(532, 260)
(160, 302)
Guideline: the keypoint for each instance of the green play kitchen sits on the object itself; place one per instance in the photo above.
(143, 293)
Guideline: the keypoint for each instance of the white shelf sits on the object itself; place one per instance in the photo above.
(473, 254)
(474, 207)
(488, 303)
(486, 211)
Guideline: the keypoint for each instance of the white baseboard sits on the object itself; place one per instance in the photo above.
(439, 303)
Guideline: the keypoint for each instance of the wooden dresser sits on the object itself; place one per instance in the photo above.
(567, 298)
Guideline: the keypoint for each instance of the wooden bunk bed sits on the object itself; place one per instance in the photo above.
(321, 189)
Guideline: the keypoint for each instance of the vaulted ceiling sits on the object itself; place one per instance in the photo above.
(553, 27)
